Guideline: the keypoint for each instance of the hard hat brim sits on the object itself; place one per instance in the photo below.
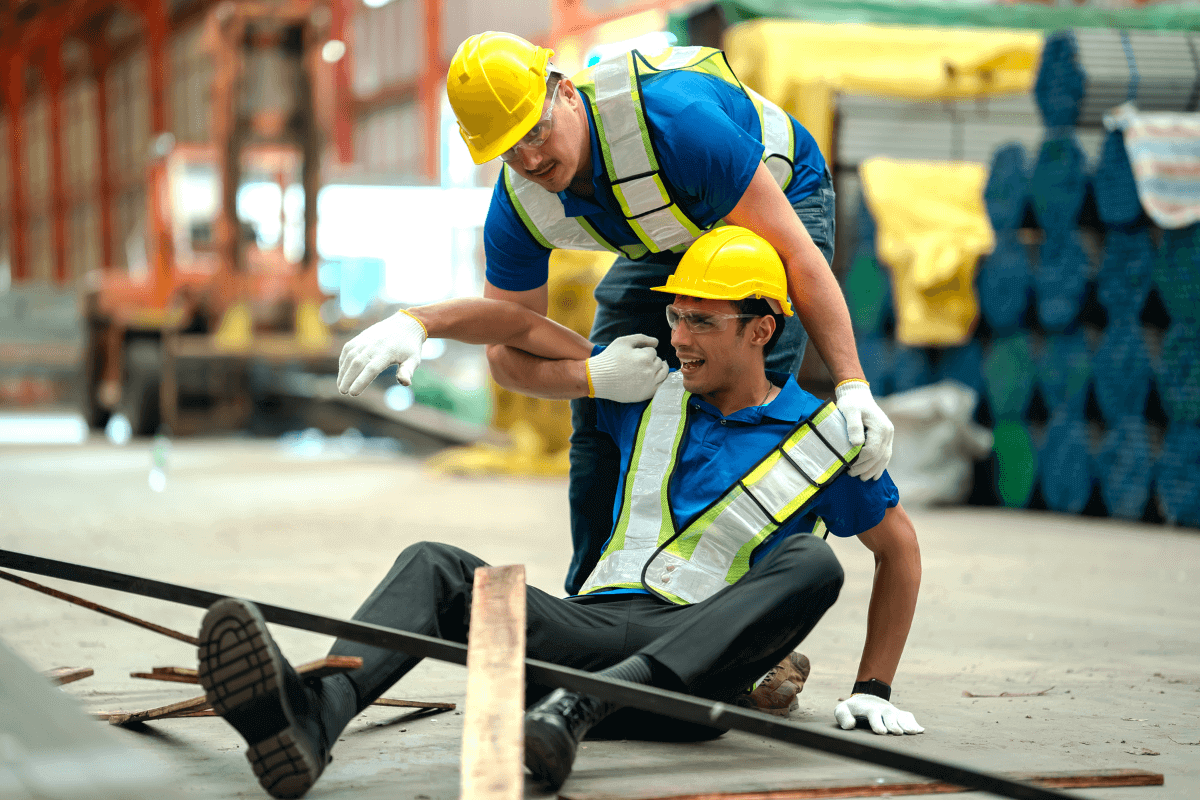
(785, 306)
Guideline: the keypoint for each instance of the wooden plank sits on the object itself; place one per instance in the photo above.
(79, 601)
(818, 790)
(390, 703)
(322, 667)
(493, 735)
(162, 712)
(61, 675)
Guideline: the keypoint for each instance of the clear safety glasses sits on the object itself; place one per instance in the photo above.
(702, 321)
(538, 135)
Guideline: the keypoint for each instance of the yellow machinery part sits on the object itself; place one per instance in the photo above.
(539, 430)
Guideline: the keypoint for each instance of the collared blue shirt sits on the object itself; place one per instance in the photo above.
(708, 141)
(717, 450)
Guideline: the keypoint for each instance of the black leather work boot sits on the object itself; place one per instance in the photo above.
(553, 729)
(288, 724)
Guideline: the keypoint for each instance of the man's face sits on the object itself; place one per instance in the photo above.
(556, 162)
(719, 361)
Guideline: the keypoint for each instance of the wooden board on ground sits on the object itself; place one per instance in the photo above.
(162, 712)
(493, 744)
(818, 790)
(61, 675)
(321, 668)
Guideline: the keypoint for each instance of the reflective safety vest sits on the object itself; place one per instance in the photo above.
(614, 88)
(646, 551)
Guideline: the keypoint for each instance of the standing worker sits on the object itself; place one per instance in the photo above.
(639, 155)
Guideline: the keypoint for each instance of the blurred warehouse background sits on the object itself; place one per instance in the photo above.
(200, 202)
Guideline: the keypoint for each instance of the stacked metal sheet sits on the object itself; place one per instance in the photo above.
(1086, 72)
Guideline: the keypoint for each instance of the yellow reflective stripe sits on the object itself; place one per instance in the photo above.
(595, 234)
(674, 598)
(820, 528)
(611, 586)
(522, 213)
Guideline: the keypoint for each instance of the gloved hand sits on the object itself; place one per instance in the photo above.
(628, 371)
(395, 340)
(860, 409)
(883, 717)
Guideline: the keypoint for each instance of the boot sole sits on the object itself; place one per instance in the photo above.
(549, 752)
(242, 672)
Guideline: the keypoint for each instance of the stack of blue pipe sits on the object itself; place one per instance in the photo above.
(1093, 411)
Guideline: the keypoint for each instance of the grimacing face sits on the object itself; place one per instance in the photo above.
(719, 363)
(566, 152)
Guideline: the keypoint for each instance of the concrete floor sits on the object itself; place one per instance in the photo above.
(1098, 616)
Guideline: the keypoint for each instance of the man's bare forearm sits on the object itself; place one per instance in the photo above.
(517, 370)
(476, 320)
(822, 310)
(893, 594)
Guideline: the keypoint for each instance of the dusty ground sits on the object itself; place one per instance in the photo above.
(1097, 617)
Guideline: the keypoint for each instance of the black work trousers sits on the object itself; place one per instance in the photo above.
(712, 649)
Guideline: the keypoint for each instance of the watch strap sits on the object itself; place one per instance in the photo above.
(874, 687)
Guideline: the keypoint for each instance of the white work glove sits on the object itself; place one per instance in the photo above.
(628, 371)
(395, 340)
(883, 717)
(860, 409)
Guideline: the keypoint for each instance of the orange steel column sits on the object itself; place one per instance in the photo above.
(343, 98)
(429, 90)
(100, 60)
(52, 69)
(154, 17)
(14, 84)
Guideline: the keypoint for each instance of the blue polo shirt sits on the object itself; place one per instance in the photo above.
(708, 140)
(717, 450)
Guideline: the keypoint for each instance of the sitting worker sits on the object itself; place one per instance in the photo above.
(713, 571)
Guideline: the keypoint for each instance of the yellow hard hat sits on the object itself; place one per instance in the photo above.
(731, 263)
(496, 84)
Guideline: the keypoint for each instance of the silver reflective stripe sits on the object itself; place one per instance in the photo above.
(642, 195)
(648, 477)
(679, 57)
(665, 230)
(622, 131)
(777, 136)
(546, 213)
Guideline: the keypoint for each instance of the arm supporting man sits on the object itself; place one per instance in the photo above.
(889, 617)
(519, 371)
(764, 209)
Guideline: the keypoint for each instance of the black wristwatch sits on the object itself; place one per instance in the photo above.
(875, 687)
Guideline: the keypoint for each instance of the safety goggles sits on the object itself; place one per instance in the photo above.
(538, 135)
(702, 321)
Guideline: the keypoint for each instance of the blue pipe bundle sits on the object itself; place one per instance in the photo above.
(1178, 475)
(1116, 192)
(1126, 272)
(1008, 373)
(1016, 463)
(965, 365)
(1122, 371)
(1007, 191)
(868, 293)
(1064, 371)
(1059, 88)
(911, 367)
(1066, 470)
(864, 233)
(1125, 466)
(1060, 283)
(1179, 372)
(1177, 272)
(877, 360)
(1058, 184)
(1005, 281)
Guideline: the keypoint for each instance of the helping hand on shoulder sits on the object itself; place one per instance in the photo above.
(395, 340)
(628, 371)
(861, 411)
(881, 715)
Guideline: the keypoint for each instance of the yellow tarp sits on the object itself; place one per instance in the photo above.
(802, 65)
(931, 229)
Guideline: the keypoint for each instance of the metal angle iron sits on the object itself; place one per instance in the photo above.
(678, 706)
